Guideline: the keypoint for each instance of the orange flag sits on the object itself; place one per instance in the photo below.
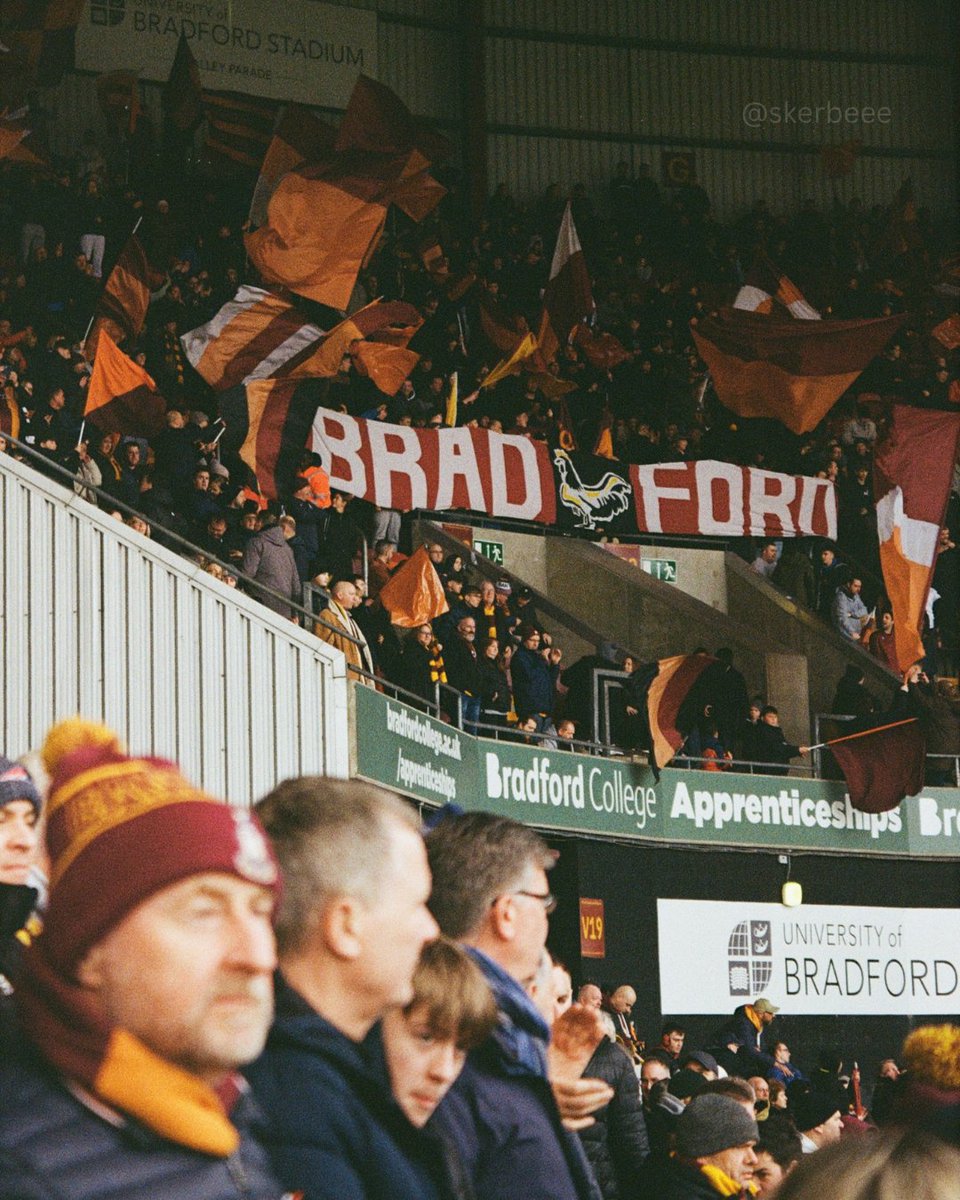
(388, 366)
(121, 397)
(413, 595)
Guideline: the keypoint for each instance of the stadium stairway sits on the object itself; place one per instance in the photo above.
(587, 594)
(99, 620)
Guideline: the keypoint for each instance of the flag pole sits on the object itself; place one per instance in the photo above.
(83, 425)
(863, 733)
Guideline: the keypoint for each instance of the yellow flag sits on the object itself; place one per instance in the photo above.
(450, 417)
(508, 365)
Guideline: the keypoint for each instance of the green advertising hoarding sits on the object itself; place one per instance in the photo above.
(413, 753)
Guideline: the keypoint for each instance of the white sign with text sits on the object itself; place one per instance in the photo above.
(815, 960)
(299, 50)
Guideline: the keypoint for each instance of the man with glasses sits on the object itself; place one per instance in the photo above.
(490, 892)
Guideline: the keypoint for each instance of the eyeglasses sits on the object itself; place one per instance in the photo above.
(547, 899)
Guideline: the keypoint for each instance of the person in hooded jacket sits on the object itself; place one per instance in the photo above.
(269, 562)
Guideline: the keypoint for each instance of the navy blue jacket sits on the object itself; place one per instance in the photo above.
(504, 1122)
(534, 682)
(53, 1147)
(334, 1132)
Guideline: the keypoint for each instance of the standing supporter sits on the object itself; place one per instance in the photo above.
(421, 664)
(778, 1151)
(351, 926)
(335, 621)
(490, 892)
(622, 1000)
(848, 611)
(616, 1144)
(851, 697)
(19, 843)
(340, 537)
(714, 1152)
(494, 692)
(817, 1119)
(427, 1041)
(463, 670)
(882, 642)
(534, 678)
(268, 562)
(771, 746)
(308, 517)
(766, 561)
(672, 1037)
(150, 985)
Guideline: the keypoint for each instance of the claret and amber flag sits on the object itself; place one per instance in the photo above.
(567, 298)
(912, 473)
(268, 423)
(239, 128)
(793, 371)
(122, 307)
(38, 43)
(299, 138)
(413, 595)
(121, 396)
(324, 218)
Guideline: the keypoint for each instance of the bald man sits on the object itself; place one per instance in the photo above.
(622, 1001)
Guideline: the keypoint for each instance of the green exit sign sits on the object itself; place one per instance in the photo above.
(664, 569)
(491, 550)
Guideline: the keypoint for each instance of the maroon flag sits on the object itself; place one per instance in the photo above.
(567, 298)
(181, 99)
(882, 765)
(793, 371)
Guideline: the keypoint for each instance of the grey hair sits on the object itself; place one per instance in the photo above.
(332, 838)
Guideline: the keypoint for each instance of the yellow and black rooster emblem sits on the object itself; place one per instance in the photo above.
(594, 504)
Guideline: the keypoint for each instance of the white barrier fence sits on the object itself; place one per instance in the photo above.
(96, 619)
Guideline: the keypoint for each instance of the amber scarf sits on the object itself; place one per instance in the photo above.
(115, 1067)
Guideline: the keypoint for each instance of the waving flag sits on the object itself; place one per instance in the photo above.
(567, 298)
(765, 284)
(913, 469)
(414, 595)
(121, 396)
(792, 371)
(882, 766)
(268, 422)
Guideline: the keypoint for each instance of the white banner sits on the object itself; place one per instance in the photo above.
(298, 50)
(815, 960)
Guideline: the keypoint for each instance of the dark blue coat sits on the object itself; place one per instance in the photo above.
(334, 1131)
(506, 1127)
(534, 682)
(53, 1147)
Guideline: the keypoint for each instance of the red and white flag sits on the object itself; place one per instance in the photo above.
(913, 469)
(765, 284)
(567, 298)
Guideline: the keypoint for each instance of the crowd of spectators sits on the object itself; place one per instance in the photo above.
(322, 997)
(659, 259)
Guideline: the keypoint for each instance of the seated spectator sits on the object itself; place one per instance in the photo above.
(350, 929)
(150, 986)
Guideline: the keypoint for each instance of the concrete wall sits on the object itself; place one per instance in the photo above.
(787, 654)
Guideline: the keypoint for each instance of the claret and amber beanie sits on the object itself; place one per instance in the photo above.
(120, 829)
